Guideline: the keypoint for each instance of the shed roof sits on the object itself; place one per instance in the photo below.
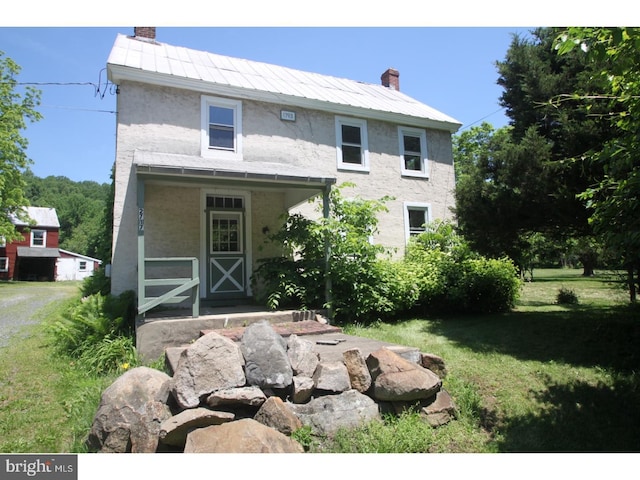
(163, 64)
(42, 216)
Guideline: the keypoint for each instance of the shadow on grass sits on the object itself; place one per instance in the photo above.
(574, 416)
(578, 418)
(589, 337)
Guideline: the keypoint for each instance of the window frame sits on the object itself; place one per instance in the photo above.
(421, 206)
(4, 264)
(82, 265)
(32, 237)
(222, 153)
(424, 163)
(363, 166)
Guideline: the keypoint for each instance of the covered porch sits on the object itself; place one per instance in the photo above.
(202, 226)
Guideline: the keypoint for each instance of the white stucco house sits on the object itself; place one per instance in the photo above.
(212, 150)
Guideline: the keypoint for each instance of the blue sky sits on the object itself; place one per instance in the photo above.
(450, 69)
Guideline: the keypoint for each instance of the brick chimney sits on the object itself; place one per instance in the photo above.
(391, 79)
(145, 32)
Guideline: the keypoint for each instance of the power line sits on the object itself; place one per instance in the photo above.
(483, 118)
(64, 107)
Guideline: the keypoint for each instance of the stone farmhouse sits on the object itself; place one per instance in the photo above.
(212, 151)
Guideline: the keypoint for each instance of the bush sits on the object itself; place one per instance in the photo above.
(439, 271)
(455, 279)
(98, 331)
(566, 296)
(98, 282)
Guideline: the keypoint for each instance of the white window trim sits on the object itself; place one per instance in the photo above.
(4, 264)
(3, 241)
(414, 206)
(44, 238)
(209, 152)
(415, 132)
(354, 122)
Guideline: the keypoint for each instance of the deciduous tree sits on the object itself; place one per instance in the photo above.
(17, 106)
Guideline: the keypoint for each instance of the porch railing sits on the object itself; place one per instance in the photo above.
(181, 285)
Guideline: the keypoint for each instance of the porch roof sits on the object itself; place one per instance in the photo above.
(154, 163)
(38, 252)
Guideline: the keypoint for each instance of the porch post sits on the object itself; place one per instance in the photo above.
(141, 254)
(328, 297)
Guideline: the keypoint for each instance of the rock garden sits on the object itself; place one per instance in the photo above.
(250, 396)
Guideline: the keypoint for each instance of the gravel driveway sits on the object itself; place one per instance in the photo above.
(21, 301)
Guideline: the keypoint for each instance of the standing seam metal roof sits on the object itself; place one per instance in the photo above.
(180, 62)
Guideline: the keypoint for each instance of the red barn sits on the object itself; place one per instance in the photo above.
(34, 257)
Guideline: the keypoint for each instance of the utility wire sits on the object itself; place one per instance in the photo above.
(483, 118)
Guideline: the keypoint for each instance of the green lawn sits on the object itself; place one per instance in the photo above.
(543, 378)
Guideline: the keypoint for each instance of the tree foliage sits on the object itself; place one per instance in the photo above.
(614, 200)
(524, 181)
(16, 108)
(502, 190)
(80, 206)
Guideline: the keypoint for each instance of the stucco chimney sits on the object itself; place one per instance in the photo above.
(391, 79)
(145, 32)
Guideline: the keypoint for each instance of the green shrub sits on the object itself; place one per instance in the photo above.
(453, 278)
(98, 331)
(439, 271)
(98, 282)
(566, 296)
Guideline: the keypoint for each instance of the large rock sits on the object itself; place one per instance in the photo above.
(332, 377)
(240, 436)
(441, 411)
(250, 396)
(276, 414)
(265, 354)
(211, 363)
(130, 413)
(302, 355)
(302, 389)
(359, 375)
(325, 415)
(434, 363)
(174, 430)
(397, 379)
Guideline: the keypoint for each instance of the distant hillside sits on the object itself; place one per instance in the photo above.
(81, 208)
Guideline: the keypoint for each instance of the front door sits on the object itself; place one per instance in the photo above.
(226, 256)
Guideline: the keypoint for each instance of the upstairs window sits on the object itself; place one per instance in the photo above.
(221, 129)
(416, 216)
(352, 144)
(413, 152)
(38, 238)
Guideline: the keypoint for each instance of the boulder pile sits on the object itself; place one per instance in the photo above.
(251, 396)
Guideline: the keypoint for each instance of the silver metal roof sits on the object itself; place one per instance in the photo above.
(174, 164)
(42, 216)
(163, 64)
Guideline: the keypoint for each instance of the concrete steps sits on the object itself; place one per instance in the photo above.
(156, 334)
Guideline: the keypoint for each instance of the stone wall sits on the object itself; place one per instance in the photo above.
(250, 396)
